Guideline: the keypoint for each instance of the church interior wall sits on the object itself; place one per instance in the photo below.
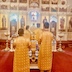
(24, 9)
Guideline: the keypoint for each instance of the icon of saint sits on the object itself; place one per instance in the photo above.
(3, 21)
(44, 20)
(22, 22)
(62, 21)
(70, 24)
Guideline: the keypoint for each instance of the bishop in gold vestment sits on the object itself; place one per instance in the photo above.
(21, 56)
(45, 51)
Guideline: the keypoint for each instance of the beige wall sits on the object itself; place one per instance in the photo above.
(40, 19)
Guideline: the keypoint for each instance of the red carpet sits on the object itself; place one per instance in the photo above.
(68, 51)
(62, 61)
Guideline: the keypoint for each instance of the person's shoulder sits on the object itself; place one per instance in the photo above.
(51, 34)
(25, 31)
(37, 29)
(24, 39)
(29, 31)
(27, 40)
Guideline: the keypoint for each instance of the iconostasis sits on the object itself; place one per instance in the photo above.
(15, 14)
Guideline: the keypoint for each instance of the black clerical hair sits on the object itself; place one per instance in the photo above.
(27, 27)
(38, 25)
(20, 32)
(46, 25)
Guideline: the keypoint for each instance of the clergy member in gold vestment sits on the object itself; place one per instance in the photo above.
(45, 51)
(21, 56)
(37, 32)
(27, 33)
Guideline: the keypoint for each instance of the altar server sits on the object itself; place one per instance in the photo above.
(45, 51)
(21, 57)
